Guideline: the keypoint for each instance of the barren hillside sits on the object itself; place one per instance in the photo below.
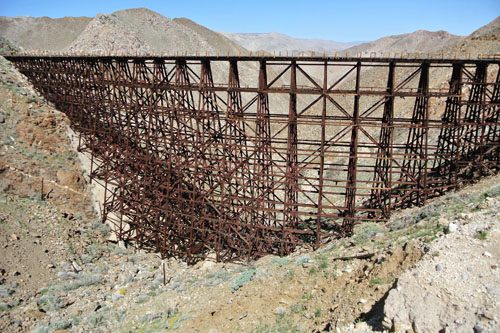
(418, 41)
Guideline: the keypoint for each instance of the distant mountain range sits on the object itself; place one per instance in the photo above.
(141, 31)
(274, 42)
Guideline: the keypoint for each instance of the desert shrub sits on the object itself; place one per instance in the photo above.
(482, 234)
(323, 262)
(297, 308)
(283, 324)
(302, 260)
(280, 261)
(48, 303)
(85, 279)
(290, 274)
(243, 278)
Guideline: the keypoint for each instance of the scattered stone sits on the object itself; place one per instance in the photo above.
(465, 217)
(442, 221)
(487, 254)
(76, 267)
(2, 118)
(116, 297)
(452, 228)
(478, 328)
(207, 265)
(483, 205)
(279, 311)
(362, 326)
(439, 268)
(65, 302)
(387, 323)
(15, 273)
(347, 270)
(488, 315)
(14, 237)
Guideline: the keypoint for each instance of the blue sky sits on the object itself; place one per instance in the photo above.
(340, 20)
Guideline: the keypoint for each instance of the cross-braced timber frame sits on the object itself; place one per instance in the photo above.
(245, 156)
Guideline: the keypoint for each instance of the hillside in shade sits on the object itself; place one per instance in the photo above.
(42, 33)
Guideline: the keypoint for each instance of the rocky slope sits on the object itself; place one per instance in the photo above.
(485, 40)
(274, 42)
(457, 286)
(6, 47)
